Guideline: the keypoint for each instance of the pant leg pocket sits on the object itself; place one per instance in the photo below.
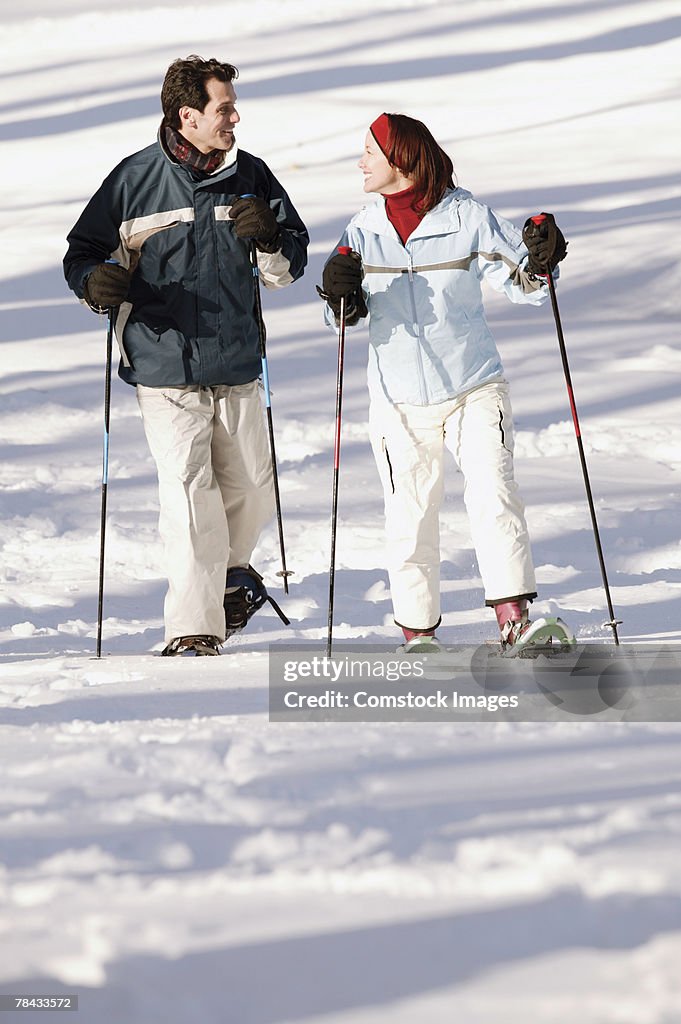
(388, 464)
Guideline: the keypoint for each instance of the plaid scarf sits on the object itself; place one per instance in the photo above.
(185, 153)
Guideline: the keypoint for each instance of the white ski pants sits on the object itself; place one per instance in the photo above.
(408, 443)
(215, 492)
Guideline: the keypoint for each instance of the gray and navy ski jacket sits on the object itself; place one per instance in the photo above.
(429, 340)
(189, 317)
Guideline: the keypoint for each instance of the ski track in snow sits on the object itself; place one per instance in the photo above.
(166, 852)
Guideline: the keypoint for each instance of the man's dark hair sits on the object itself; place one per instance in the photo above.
(185, 84)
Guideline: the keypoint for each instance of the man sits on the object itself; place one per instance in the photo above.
(178, 219)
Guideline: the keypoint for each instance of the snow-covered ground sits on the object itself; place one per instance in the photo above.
(167, 853)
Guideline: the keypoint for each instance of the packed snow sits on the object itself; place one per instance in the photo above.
(166, 852)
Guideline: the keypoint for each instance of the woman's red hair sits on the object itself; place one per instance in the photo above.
(409, 146)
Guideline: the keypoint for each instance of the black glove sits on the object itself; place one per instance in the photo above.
(254, 219)
(545, 244)
(342, 276)
(342, 279)
(107, 285)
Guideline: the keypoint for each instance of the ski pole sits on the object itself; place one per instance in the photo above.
(345, 250)
(613, 623)
(253, 252)
(105, 470)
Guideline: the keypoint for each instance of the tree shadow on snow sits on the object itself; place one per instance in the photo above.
(364, 968)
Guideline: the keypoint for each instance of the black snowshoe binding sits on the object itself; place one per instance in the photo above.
(245, 593)
(198, 646)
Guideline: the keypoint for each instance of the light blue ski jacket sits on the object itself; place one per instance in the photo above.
(428, 337)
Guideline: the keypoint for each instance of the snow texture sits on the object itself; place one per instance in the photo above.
(168, 854)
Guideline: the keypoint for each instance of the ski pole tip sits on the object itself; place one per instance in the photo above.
(285, 573)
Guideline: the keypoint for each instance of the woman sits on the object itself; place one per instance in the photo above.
(435, 377)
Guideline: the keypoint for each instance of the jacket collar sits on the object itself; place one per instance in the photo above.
(228, 164)
(443, 219)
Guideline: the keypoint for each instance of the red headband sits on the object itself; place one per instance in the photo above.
(380, 129)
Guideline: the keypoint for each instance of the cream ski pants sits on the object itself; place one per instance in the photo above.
(215, 492)
(408, 443)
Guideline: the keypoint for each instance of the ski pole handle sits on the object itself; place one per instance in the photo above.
(114, 263)
(543, 230)
(253, 253)
(538, 220)
(347, 250)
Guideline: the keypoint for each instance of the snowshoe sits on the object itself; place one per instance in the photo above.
(526, 637)
(198, 646)
(421, 644)
(245, 593)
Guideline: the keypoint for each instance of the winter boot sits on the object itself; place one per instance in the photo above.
(245, 592)
(198, 646)
(547, 632)
(420, 643)
(519, 634)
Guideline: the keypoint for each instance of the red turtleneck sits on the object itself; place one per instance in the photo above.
(400, 212)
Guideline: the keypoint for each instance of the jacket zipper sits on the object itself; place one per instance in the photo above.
(417, 329)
